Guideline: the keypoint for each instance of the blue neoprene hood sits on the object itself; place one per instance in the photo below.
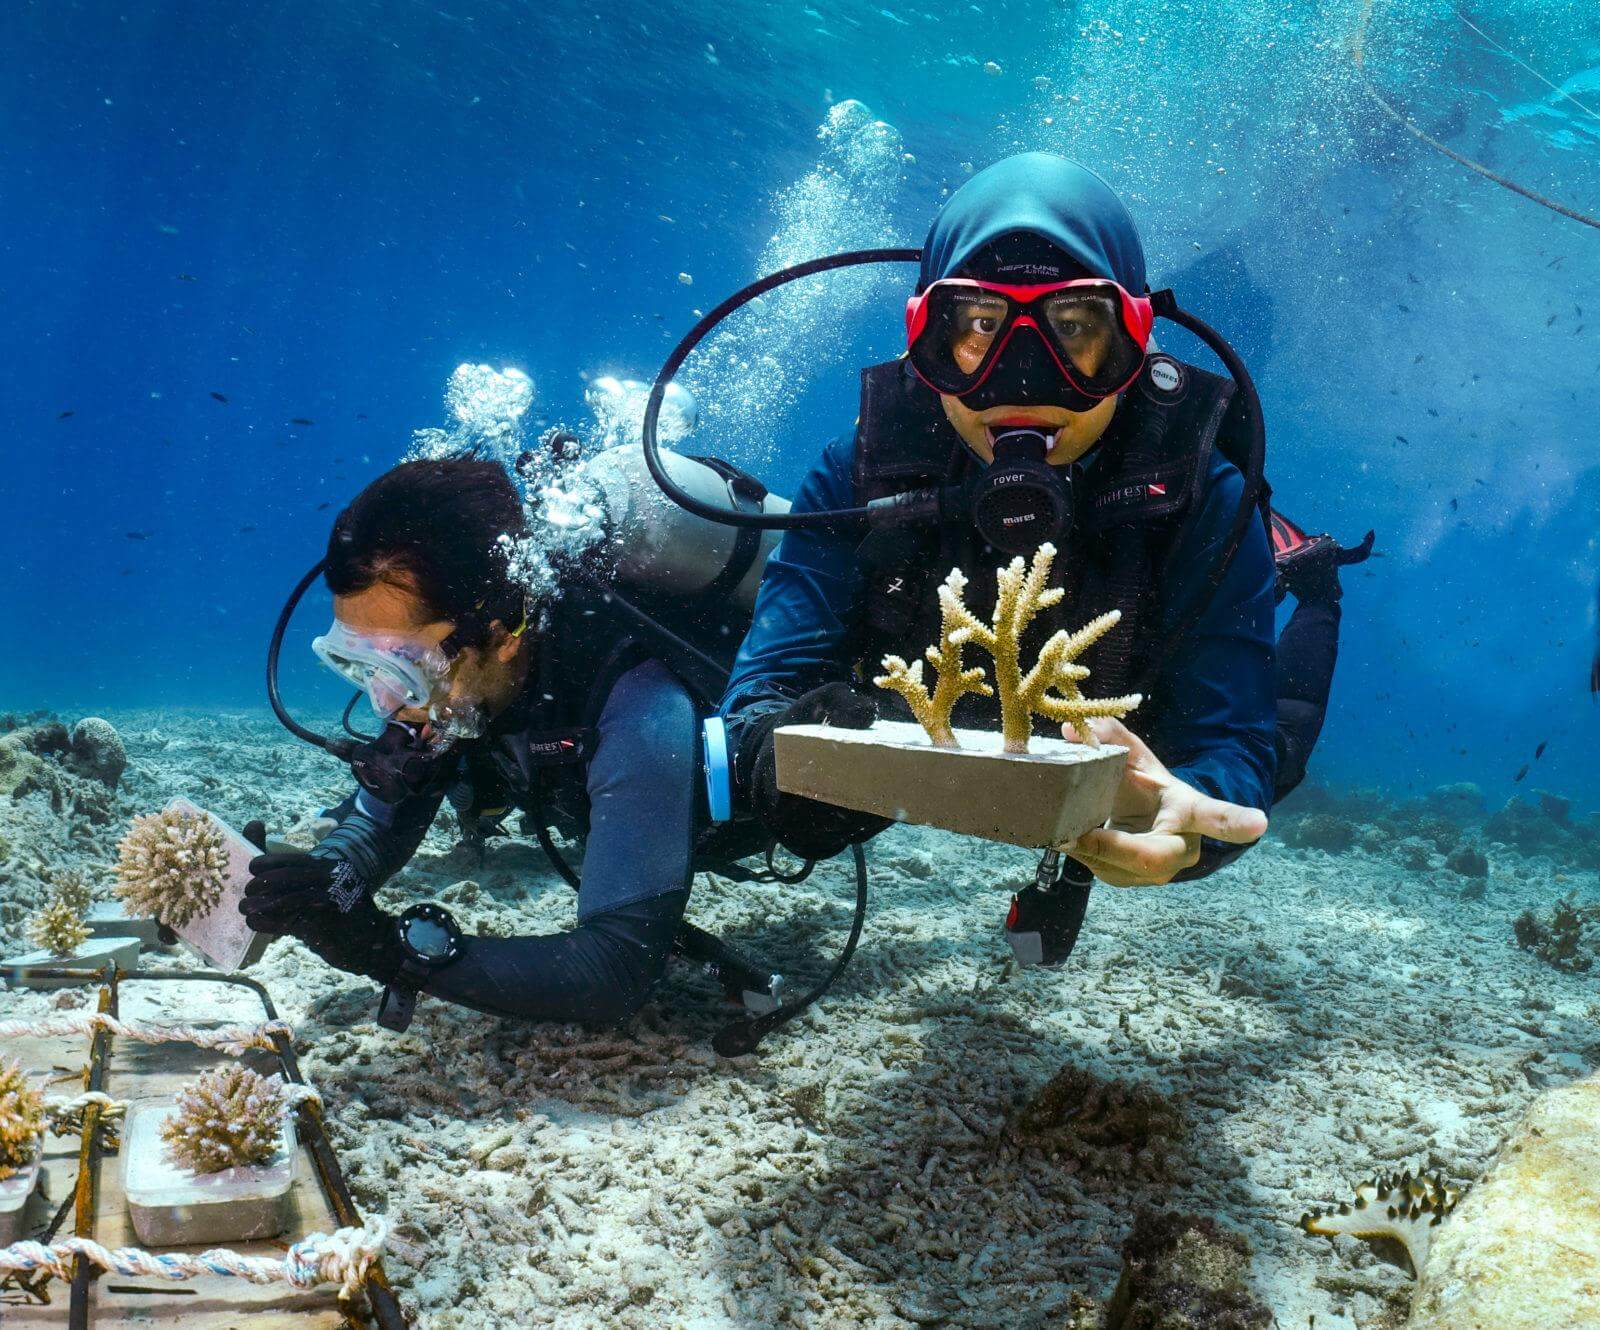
(1048, 196)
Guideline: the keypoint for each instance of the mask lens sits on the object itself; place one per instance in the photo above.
(964, 325)
(1086, 327)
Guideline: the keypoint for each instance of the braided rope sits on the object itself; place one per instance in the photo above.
(342, 1257)
(67, 1114)
(234, 1039)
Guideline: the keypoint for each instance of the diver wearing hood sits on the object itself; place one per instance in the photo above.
(1029, 389)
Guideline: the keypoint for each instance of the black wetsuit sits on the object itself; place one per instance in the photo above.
(636, 794)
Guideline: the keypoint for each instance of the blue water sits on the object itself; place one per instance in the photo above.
(318, 211)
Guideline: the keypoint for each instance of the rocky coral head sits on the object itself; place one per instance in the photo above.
(172, 866)
(226, 1118)
(22, 1118)
(1400, 1207)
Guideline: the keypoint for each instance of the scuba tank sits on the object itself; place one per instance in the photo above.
(664, 548)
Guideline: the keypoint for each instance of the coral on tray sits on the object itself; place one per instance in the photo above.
(226, 1118)
(22, 1118)
(1051, 688)
(58, 928)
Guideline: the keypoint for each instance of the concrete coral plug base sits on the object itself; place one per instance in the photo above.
(111, 919)
(14, 1194)
(91, 958)
(1045, 797)
(172, 1207)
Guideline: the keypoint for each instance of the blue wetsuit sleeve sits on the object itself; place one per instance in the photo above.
(1219, 712)
(635, 879)
(800, 630)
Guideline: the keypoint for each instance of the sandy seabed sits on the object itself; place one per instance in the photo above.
(1246, 1047)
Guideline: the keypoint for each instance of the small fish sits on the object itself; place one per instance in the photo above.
(1479, 480)
(1521, 772)
(1415, 280)
(1455, 505)
(1433, 413)
(323, 505)
(1404, 309)
(246, 530)
(301, 420)
(361, 415)
(1418, 360)
(185, 277)
(1555, 260)
(127, 572)
(137, 535)
(1539, 751)
(65, 414)
(1403, 439)
(219, 398)
(1551, 320)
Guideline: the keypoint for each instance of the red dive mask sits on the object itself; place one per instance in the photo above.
(1094, 331)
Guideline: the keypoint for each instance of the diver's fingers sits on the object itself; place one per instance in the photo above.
(1234, 823)
(1151, 856)
(1110, 873)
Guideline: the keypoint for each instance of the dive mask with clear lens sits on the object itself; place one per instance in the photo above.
(394, 673)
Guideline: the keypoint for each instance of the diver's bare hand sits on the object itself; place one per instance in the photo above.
(1157, 820)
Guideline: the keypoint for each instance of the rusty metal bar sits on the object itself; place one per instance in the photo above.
(385, 1307)
(89, 1152)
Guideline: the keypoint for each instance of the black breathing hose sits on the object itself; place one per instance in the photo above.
(681, 352)
(340, 748)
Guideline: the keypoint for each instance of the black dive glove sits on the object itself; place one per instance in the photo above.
(805, 827)
(325, 903)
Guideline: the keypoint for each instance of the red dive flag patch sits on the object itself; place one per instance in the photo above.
(1158, 489)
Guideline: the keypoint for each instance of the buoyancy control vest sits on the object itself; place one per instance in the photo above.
(1134, 496)
(535, 756)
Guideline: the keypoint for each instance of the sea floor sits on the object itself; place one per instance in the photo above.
(1246, 1047)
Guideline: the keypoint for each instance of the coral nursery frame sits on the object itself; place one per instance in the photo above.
(385, 1313)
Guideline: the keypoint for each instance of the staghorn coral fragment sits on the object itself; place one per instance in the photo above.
(58, 928)
(226, 1118)
(932, 710)
(1051, 687)
(22, 1118)
(1402, 1207)
(171, 866)
(72, 887)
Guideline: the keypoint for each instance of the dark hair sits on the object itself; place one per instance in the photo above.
(438, 525)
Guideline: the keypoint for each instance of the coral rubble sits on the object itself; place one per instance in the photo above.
(1022, 594)
(22, 1118)
(226, 1118)
(171, 866)
(1184, 1272)
(1108, 1127)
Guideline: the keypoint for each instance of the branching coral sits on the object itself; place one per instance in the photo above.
(1023, 593)
(172, 866)
(933, 710)
(226, 1118)
(72, 887)
(58, 928)
(1403, 1208)
(1567, 937)
(22, 1118)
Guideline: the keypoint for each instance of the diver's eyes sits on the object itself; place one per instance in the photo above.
(987, 324)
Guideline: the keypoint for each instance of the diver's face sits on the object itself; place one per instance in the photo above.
(1076, 431)
(488, 676)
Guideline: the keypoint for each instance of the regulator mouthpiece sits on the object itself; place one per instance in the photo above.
(1021, 501)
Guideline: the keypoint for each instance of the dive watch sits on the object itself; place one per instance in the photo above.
(429, 940)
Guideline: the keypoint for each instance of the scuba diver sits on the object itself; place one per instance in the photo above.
(566, 713)
(1030, 402)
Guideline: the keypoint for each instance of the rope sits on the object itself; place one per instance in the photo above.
(1358, 55)
(1518, 60)
(67, 1114)
(233, 1039)
(342, 1257)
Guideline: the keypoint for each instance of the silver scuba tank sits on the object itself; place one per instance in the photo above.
(661, 546)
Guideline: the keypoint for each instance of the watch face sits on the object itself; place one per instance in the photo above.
(427, 938)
